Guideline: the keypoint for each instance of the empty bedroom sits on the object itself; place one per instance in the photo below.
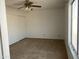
(36, 29)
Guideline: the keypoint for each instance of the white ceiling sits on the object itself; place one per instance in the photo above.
(43, 3)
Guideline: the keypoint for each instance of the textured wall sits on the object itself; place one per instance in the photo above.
(16, 25)
(49, 23)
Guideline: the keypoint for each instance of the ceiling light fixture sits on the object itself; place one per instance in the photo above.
(28, 9)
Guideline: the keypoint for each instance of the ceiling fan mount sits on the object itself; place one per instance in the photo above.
(28, 4)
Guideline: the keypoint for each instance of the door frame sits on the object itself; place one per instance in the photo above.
(4, 31)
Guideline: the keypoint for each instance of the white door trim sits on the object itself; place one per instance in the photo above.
(4, 30)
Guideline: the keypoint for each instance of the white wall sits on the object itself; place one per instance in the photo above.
(49, 23)
(16, 25)
(35, 24)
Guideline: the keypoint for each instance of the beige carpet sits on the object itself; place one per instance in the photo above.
(38, 49)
